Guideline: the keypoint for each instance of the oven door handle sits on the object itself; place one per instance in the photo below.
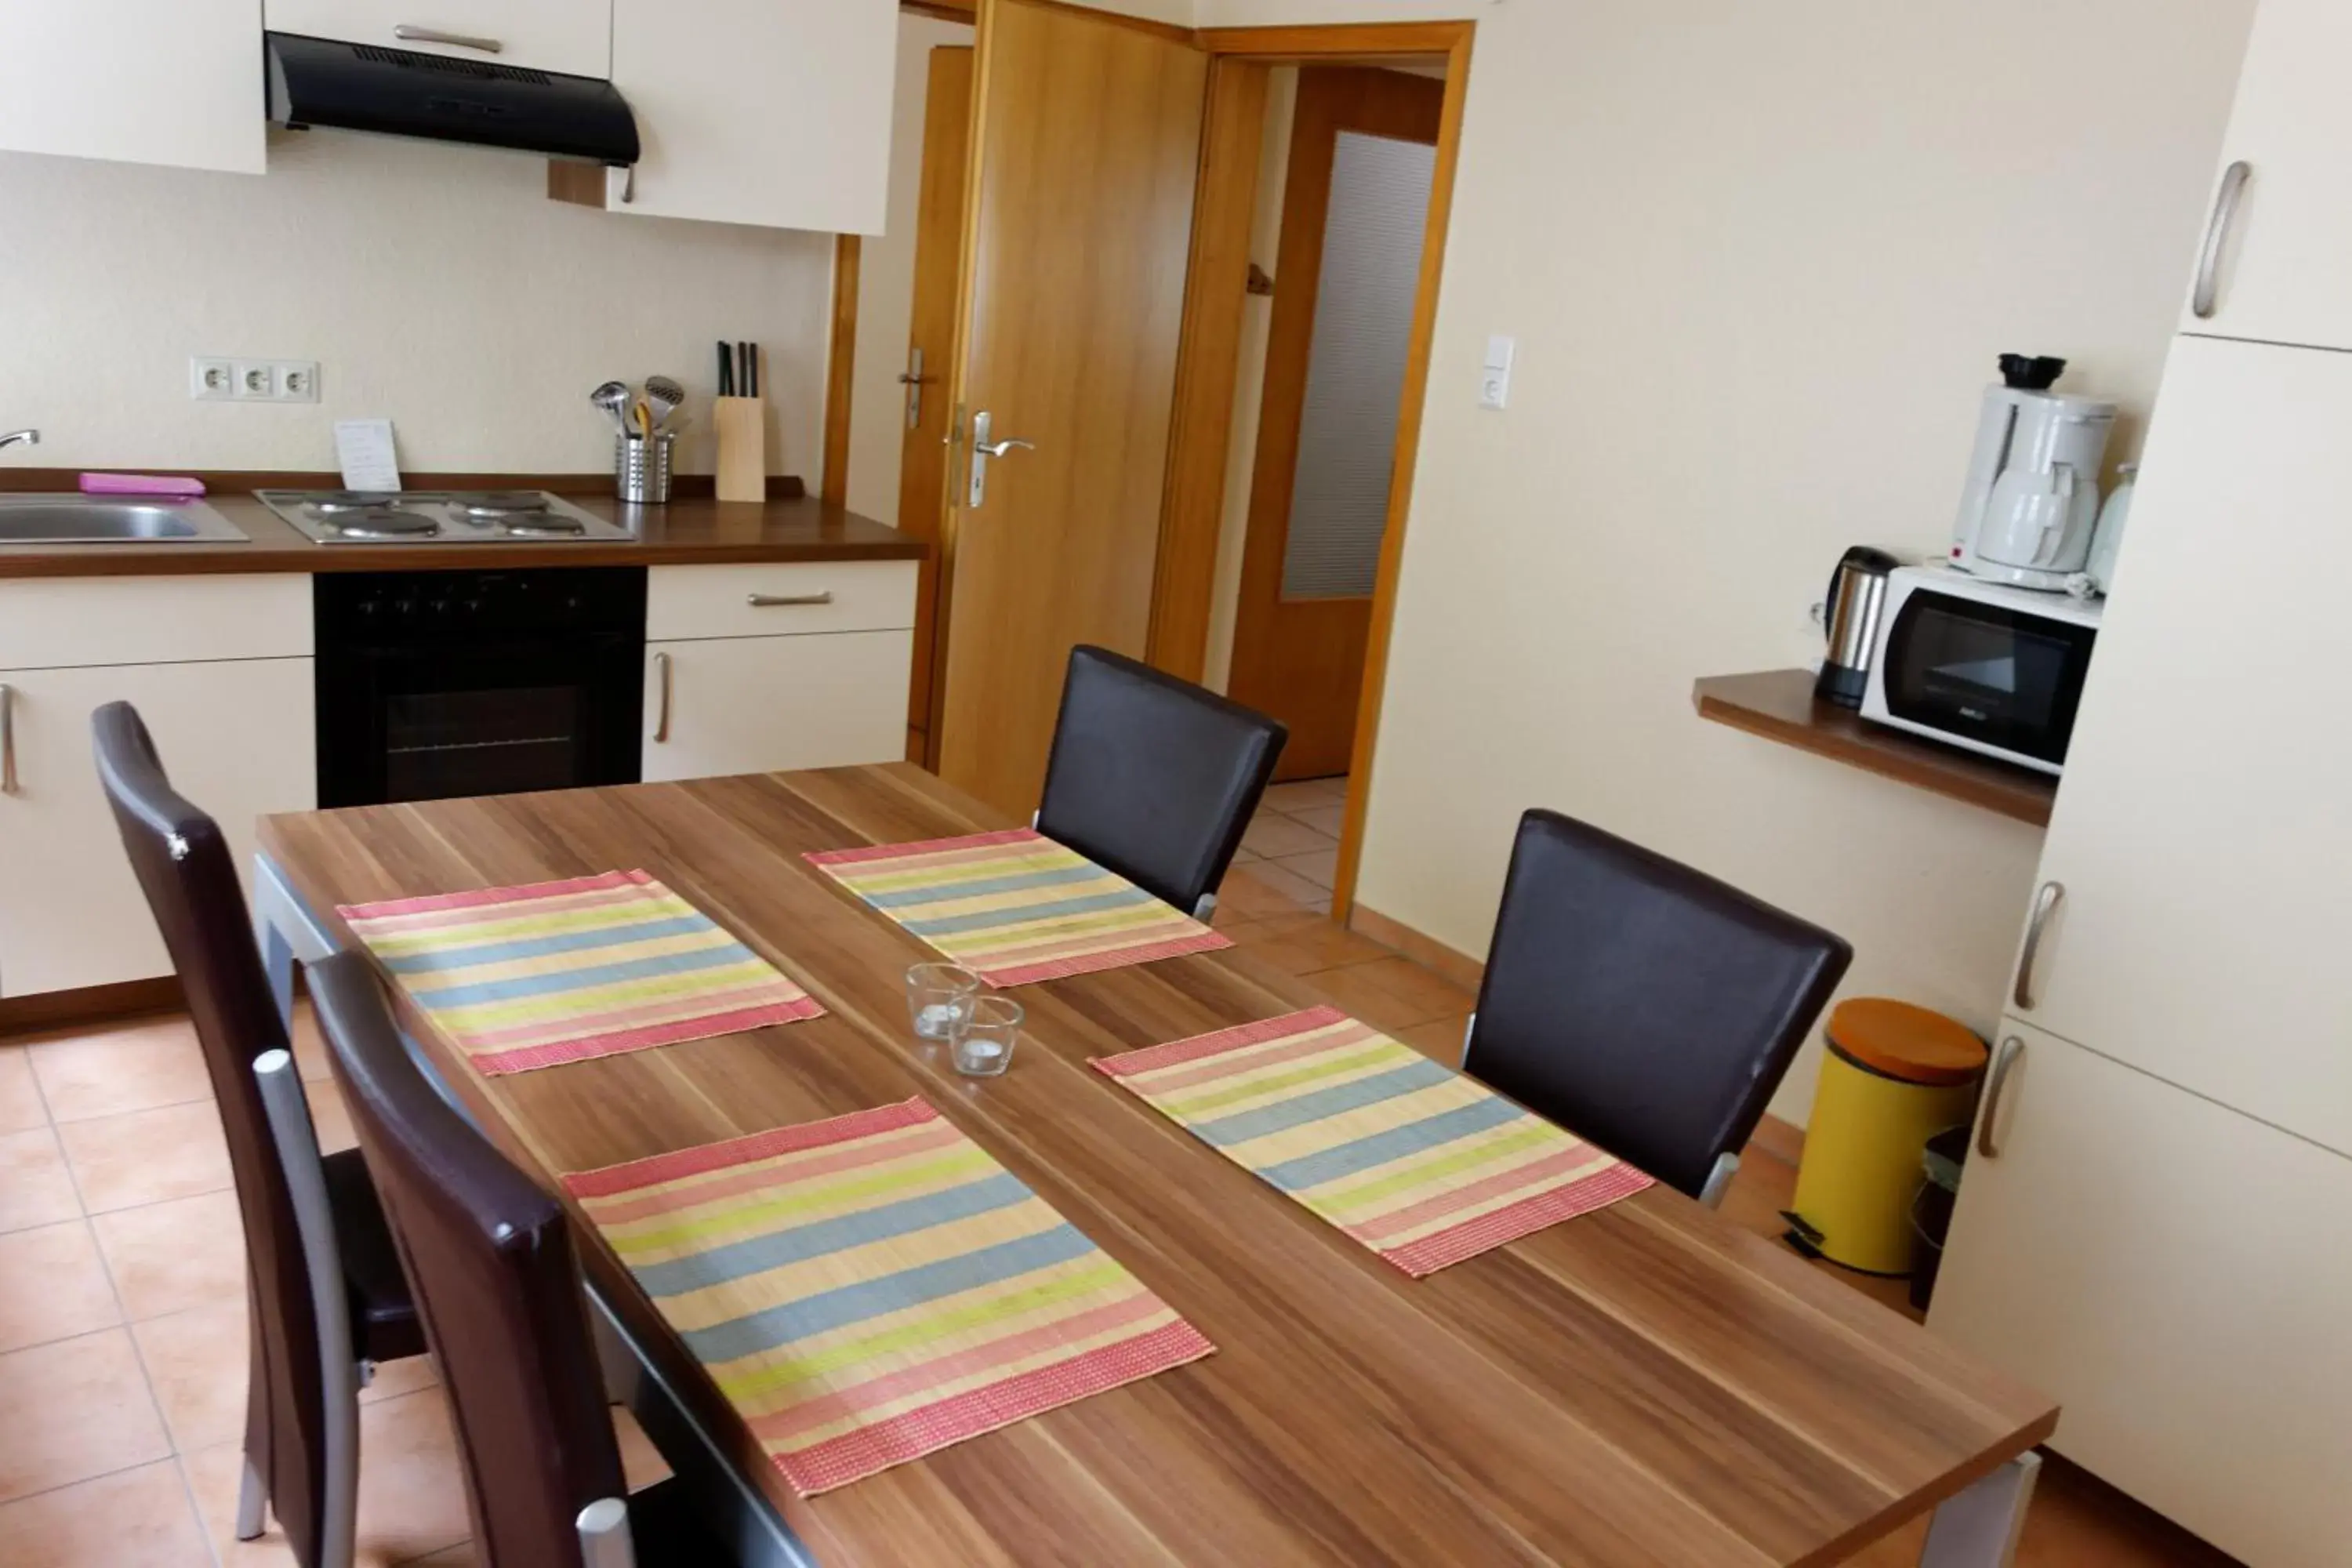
(661, 717)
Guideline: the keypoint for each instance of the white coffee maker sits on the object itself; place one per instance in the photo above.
(2033, 496)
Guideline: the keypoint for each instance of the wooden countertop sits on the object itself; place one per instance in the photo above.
(1778, 704)
(1648, 1384)
(692, 530)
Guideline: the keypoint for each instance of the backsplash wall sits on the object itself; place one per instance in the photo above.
(436, 286)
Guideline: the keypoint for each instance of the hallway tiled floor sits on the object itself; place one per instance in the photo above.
(123, 1337)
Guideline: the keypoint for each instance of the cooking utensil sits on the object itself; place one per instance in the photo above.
(641, 415)
(612, 397)
(752, 367)
(665, 395)
(726, 372)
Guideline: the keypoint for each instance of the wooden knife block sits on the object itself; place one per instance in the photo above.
(742, 426)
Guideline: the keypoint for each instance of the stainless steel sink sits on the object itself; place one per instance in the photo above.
(72, 519)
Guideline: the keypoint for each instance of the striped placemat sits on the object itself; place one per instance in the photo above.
(1423, 1166)
(1014, 906)
(872, 1289)
(559, 972)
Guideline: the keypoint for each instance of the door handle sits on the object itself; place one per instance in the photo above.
(982, 449)
(770, 600)
(2011, 1050)
(914, 381)
(8, 739)
(409, 32)
(2205, 297)
(2044, 902)
(661, 719)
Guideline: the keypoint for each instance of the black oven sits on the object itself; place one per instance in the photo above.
(437, 684)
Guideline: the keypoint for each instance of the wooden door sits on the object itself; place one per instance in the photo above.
(1087, 146)
(2279, 275)
(2175, 1275)
(238, 737)
(931, 345)
(1334, 381)
(2200, 833)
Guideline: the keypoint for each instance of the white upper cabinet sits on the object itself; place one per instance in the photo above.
(775, 113)
(572, 37)
(141, 81)
(2202, 837)
(2275, 267)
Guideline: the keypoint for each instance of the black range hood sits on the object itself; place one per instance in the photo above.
(399, 92)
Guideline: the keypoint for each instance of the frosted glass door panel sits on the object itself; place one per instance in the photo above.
(1355, 368)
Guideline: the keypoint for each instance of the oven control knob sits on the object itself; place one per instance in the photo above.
(473, 607)
(440, 606)
(404, 607)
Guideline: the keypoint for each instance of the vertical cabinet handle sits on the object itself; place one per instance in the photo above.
(661, 717)
(2203, 298)
(2044, 902)
(8, 739)
(2011, 1050)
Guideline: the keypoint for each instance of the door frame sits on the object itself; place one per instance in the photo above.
(1193, 508)
(1200, 439)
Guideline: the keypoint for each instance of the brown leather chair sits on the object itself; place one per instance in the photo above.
(490, 1255)
(1153, 777)
(302, 1451)
(1641, 1004)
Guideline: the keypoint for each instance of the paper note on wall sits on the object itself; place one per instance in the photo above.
(364, 452)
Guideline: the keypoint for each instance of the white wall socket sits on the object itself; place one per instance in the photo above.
(211, 380)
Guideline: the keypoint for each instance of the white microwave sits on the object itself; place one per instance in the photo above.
(1983, 666)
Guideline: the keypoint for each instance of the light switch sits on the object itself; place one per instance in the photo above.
(1494, 375)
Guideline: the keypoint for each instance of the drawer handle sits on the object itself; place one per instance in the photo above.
(8, 739)
(2011, 1050)
(661, 720)
(409, 33)
(770, 600)
(2043, 902)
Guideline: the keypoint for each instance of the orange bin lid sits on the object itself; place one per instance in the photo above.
(1905, 1042)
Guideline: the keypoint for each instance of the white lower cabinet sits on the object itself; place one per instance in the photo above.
(2179, 1277)
(237, 738)
(750, 705)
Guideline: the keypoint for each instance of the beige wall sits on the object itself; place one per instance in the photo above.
(885, 286)
(437, 285)
(1759, 260)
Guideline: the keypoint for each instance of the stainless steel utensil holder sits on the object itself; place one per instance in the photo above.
(641, 468)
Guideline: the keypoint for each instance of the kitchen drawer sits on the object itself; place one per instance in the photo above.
(756, 705)
(56, 623)
(819, 596)
(573, 36)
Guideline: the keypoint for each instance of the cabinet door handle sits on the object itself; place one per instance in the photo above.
(2203, 298)
(2011, 1050)
(770, 601)
(409, 33)
(2044, 902)
(661, 717)
(8, 739)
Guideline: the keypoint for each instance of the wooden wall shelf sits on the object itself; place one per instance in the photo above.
(1779, 705)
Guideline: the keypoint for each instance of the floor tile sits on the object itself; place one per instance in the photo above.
(147, 1156)
(1330, 819)
(1281, 892)
(310, 1046)
(1248, 894)
(1321, 867)
(126, 1066)
(1440, 1039)
(135, 1518)
(1391, 994)
(169, 1256)
(1302, 944)
(395, 1378)
(20, 1100)
(330, 1120)
(1305, 795)
(76, 1409)
(642, 1465)
(1275, 836)
(196, 1361)
(412, 1499)
(52, 1286)
(461, 1555)
(36, 1187)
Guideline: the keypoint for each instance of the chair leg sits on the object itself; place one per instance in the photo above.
(1718, 1180)
(1206, 907)
(252, 1503)
(339, 1506)
(1978, 1529)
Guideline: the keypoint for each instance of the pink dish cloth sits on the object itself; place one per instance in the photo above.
(141, 485)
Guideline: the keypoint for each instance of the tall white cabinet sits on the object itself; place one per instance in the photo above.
(2156, 1225)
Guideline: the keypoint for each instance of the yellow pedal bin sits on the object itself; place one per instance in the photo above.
(1895, 1076)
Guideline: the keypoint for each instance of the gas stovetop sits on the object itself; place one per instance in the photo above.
(439, 517)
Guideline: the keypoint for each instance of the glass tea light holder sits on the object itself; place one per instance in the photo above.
(938, 998)
(983, 1043)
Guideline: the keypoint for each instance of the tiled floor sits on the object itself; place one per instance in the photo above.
(123, 1315)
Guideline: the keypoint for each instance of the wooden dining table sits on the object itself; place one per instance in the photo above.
(1646, 1384)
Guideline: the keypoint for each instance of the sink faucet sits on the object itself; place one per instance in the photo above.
(29, 437)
